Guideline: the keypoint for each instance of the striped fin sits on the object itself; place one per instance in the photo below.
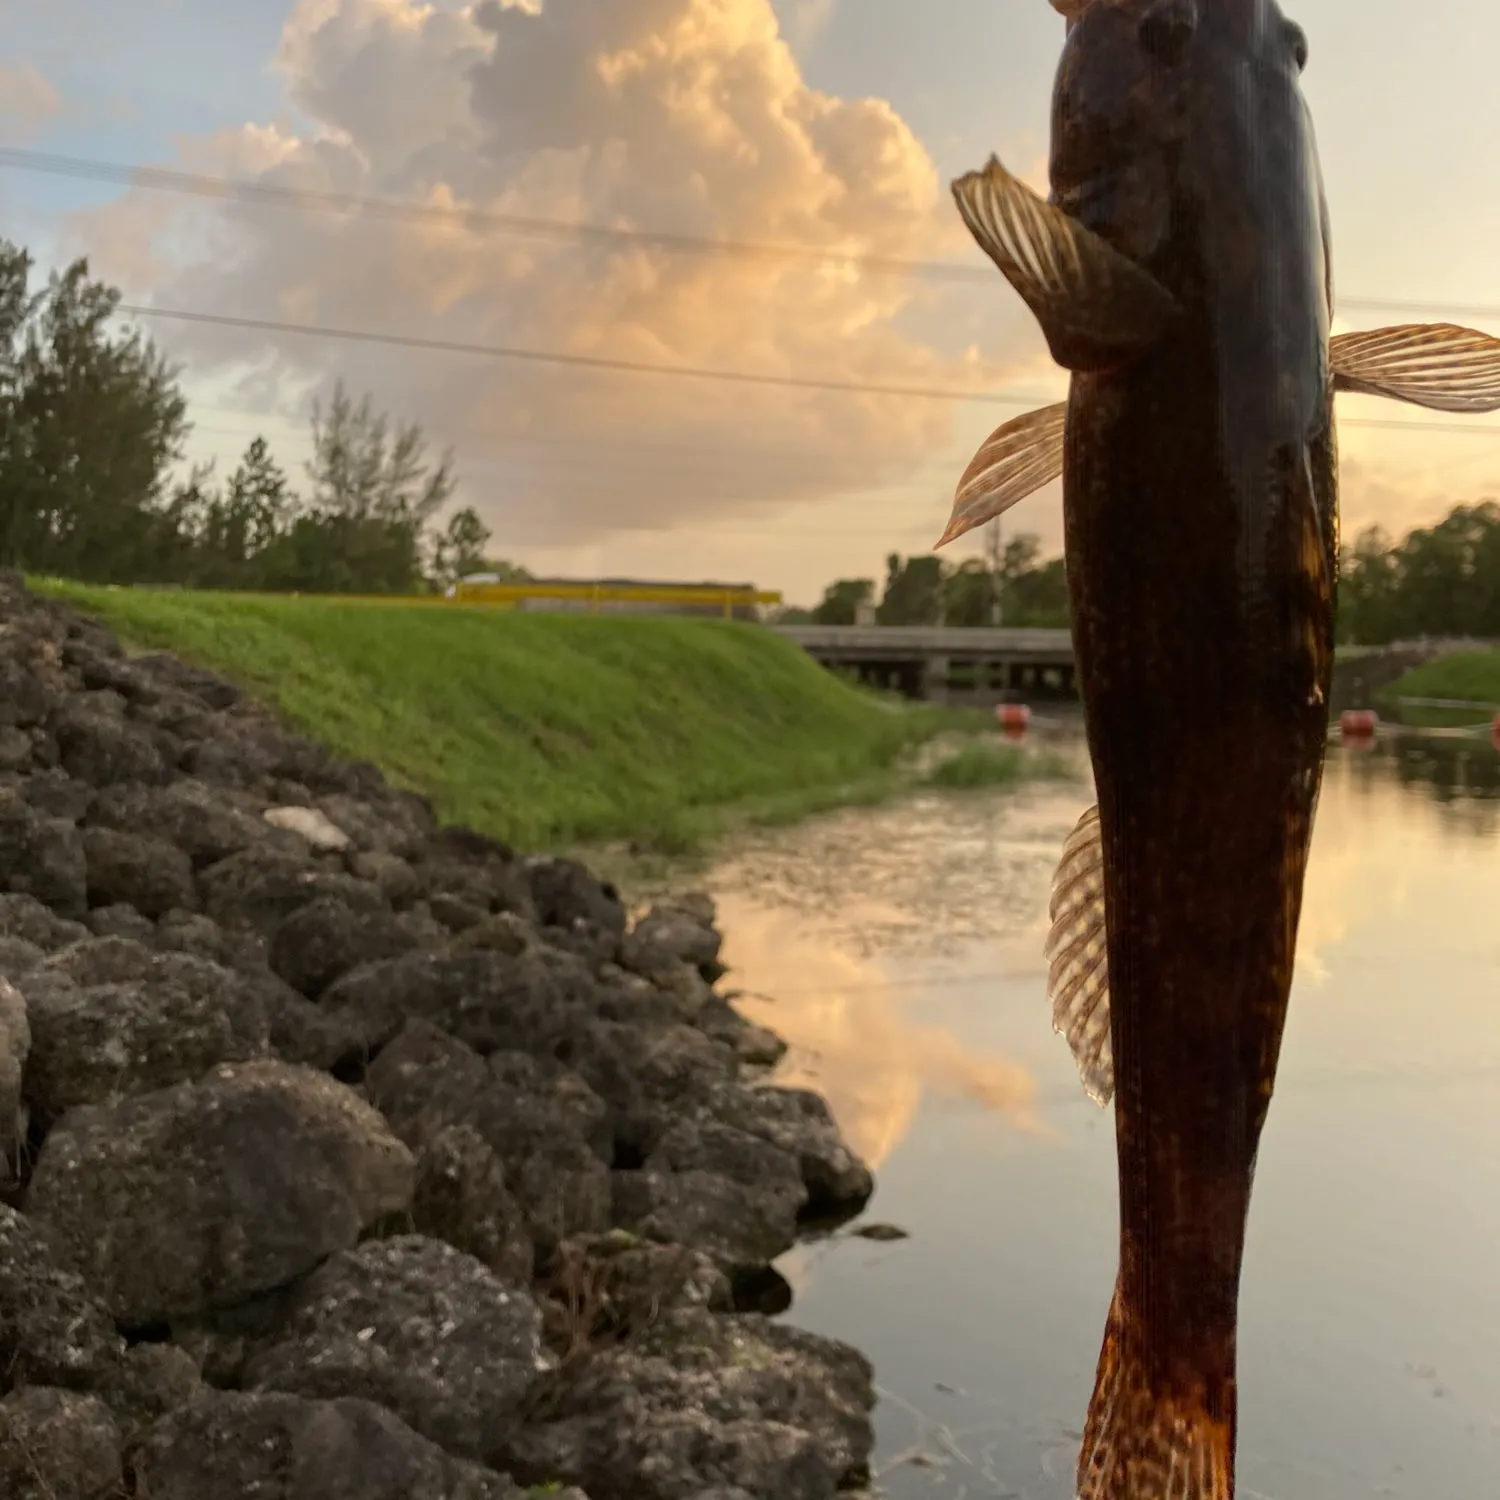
(1097, 309)
(1017, 459)
(1078, 976)
(1146, 1442)
(1437, 365)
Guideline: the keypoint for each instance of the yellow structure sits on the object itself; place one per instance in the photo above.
(594, 597)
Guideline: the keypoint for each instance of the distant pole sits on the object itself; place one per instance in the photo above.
(995, 571)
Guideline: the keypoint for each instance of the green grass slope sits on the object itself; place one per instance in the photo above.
(545, 730)
(1466, 676)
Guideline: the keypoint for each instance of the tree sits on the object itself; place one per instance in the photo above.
(459, 550)
(1037, 598)
(913, 591)
(1438, 580)
(91, 425)
(841, 601)
(374, 492)
(235, 534)
(969, 595)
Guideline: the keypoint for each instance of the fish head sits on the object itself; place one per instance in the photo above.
(1158, 104)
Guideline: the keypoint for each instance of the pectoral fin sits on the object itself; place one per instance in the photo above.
(1017, 459)
(1097, 308)
(1078, 976)
(1437, 365)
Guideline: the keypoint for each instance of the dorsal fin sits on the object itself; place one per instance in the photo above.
(1078, 958)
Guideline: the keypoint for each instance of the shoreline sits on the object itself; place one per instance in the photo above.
(338, 1132)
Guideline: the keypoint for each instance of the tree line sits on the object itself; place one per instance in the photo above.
(1024, 590)
(93, 427)
(1439, 580)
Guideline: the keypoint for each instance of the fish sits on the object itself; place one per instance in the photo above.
(1180, 271)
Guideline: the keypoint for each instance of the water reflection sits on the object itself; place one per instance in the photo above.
(903, 949)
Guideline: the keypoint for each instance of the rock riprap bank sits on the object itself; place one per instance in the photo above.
(351, 1157)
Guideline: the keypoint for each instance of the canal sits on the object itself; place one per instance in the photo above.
(900, 952)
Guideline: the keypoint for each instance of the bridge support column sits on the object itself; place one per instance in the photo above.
(935, 679)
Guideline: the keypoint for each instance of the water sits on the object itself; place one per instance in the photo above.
(902, 952)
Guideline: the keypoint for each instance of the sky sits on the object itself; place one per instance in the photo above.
(826, 125)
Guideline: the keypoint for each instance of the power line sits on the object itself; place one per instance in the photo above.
(694, 372)
(583, 361)
(164, 179)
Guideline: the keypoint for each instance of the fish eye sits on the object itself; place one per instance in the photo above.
(1297, 39)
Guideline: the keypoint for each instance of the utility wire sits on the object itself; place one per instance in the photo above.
(164, 179)
(583, 361)
(641, 367)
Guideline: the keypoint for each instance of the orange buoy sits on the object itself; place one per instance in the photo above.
(1013, 718)
(1358, 723)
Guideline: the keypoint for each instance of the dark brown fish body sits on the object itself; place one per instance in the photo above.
(1200, 490)
(1181, 273)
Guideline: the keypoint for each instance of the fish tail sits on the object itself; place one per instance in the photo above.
(1146, 1439)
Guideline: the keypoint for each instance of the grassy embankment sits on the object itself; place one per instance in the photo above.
(1464, 677)
(558, 731)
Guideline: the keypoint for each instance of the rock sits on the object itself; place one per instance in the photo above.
(152, 1380)
(419, 1328)
(261, 886)
(111, 1017)
(58, 1445)
(18, 957)
(716, 1189)
(650, 1078)
(322, 941)
(230, 1446)
(391, 875)
(15, 748)
(546, 1126)
(456, 914)
(53, 1331)
(147, 873)
(700, 1401)
(461, 1198)
(99, 747)
(25, 917)
(198, 819)
(42, 857)
(317, 828)
(709, 1212)
(210, 690)
(754, 1045)
(504, 932)
(397, 827)
(205, 1194)
(801, 1124)
(564, 893)
(54, 793)
(490, 1000)
(15, 1047)
(677, 931)
(120, 920)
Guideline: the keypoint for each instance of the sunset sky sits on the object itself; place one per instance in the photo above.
(830, 125)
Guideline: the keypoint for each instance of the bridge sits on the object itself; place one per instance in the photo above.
(946, 665)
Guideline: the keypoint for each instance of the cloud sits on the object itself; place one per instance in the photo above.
(27, 100)
(690, 116)
(807, 22)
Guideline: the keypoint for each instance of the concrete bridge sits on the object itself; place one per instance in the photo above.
(942, 665)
